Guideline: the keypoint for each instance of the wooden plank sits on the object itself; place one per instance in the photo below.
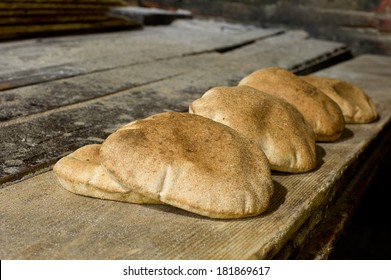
(279, 52)
(48, 12)
(17, 24)
(47, 96)
(40, 220)
(39, 98)
(138, 14)
(26, 149)
(50, 19)
(104, 2)
(179, 34)
(75, 55)
(55, 5)
(11, 31)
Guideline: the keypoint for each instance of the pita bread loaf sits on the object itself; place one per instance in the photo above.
(270, 122)
(356, 106)
(322, 113)
(190, 162)
(81, 172)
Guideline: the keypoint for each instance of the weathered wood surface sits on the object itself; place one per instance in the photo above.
(32, 61)
(53, 5)
(37, 18)
(271, 51)
(51, 28)
(47, 12)
(43, 122)
(40, 220)
(50, 19)
(44, 221)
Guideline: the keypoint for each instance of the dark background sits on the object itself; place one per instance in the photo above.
(369, 235)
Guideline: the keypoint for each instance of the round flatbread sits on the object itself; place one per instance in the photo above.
(81, 172)
(321, 112)
(270, 122)
(356, 106)
(190, 162)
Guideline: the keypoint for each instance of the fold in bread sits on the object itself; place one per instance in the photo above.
(321, 112)
(270, 122)
(81, 172)
(356, 106)
(192, 163)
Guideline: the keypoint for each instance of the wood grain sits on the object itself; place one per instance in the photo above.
(49, 28)
(35, 61)
(20, 19)
(56, 5)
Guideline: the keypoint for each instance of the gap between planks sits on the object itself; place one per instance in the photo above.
(81, 104)
(174, 41)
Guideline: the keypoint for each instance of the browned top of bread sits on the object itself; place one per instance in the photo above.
(190, 162)
(356, 106)
(321, 112)
(270, 122)
(81, 172)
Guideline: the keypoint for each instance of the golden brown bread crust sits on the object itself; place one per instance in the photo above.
(321, 112)
(81, 172)
(270, 122)
(356, 106)
(190, 162)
